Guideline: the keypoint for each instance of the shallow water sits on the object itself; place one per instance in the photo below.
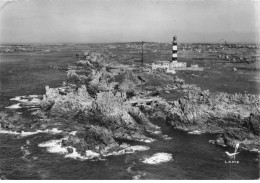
(192, 156)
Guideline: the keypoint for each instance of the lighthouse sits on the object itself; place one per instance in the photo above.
(174, 49)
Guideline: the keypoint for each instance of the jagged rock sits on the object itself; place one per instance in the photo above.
(94, 138)
(95, 105)
(73, 77)
(67, 105)
(106, 117)
(236, 116)
(11, 121)
(253, 123)
(70, 150)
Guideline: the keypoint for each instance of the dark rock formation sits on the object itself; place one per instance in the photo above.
(236, 116)
(97, 106)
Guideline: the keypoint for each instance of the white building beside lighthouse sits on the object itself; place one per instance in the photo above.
(170, 66)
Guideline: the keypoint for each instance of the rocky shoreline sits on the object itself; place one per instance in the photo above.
(101, 105)
(234, 117)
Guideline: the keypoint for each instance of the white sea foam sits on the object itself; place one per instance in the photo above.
(116, 153)
(73, 133)
(76, 155)
(25, 98)
(255, 150)
(139, 148)
(138, 176)
(166, 137)
(8, 132)
(212, 141)
(20, 99)
(24, 134)
(16, 98)
(148, 140)
(54, 146)
(195, 132)
(35, 100)
(14, 106)
(30, 101)
(34, 113)
(34, 96)
(157, 127)
(52, 131)
(91, 153)
(128, 150)
(155, 132)
(158, 158)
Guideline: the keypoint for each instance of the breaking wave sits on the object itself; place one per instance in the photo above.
(166, 137)
(14, 106)
(24, 134)
(195, 132)
(55, 146)
(158, 158)
(148, 140)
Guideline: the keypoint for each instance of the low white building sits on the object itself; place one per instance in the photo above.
(176, 64)
(164, 65)
(161, 64)
(168, 65)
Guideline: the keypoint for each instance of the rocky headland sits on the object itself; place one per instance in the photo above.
(102, 105)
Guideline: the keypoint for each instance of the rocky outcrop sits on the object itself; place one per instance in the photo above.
(94, 102)
(98, 109)
(73, 77)
(94, 138)
(10, 121)
(105, 119)
(246, 133)
(236, 116)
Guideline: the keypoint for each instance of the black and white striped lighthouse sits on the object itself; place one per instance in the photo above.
(174, 49)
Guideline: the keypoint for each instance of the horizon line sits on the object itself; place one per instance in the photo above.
(118, 42)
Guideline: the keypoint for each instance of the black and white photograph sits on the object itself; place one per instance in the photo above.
(129, 90)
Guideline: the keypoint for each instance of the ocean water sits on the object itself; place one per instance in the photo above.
(184, 156)
(192, 158)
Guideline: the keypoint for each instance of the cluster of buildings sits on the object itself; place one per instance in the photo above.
(11, 49)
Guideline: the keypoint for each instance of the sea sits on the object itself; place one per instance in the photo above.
(183, 156)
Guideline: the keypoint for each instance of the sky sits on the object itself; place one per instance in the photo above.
(102, 21)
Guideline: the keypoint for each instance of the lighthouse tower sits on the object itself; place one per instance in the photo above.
(174, 54)
(174, 49)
